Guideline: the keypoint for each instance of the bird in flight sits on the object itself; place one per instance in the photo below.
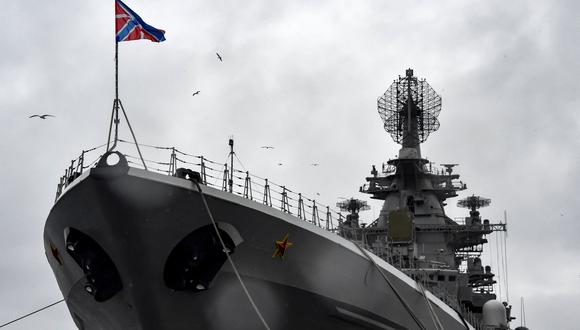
(194, 94)
(267, 147)
(41, 116)
(314, 164)
(280, 164)
(219, 57)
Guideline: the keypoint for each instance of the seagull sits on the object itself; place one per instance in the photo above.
(314, 164)
(280, 164)
(41, 116)
(267, 147)
(194, 94)
(219, 57)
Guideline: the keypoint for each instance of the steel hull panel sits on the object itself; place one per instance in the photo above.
(138, 218)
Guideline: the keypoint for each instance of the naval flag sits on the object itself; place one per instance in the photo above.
(129, 26)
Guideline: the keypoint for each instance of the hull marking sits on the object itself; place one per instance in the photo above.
(281, 247)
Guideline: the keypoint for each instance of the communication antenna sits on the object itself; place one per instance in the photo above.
(522, 313)
(505, 255)
(409, 110)
(505, 221)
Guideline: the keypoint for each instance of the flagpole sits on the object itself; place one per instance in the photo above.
(116, 91)
(123, 12)
(115, 112)
(116, 105)
(116, 69)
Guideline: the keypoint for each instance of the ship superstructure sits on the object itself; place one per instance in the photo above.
(413, 232)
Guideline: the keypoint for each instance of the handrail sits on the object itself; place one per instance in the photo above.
(217, 175)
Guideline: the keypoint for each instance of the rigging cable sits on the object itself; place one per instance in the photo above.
(504, 264)
(229, 257)
(506, 261)
(419, 323)
(499, 270)
(132, 134)
(240, 161)
(502, 253)
(29, 314)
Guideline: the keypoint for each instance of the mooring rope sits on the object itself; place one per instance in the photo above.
(31, 313)
(431, 311)
(419, 323)
(230, 258)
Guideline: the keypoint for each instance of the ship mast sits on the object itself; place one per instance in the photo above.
(410, 135)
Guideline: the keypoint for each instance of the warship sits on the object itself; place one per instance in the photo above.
(189, 243)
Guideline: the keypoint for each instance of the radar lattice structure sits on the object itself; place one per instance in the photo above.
(394, 108)
(353, 205)
(474, 202)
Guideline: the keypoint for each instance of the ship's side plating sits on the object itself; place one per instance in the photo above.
(130, 250)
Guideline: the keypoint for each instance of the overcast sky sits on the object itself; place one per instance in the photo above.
(303, 76)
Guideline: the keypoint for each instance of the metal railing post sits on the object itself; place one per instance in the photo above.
(226, 178)
(172, 162)
(284, 206)
(248, 186)
(267, 197)
(81, 163)
(315, 215)
(301, 212)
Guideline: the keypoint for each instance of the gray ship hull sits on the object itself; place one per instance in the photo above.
(138, 217)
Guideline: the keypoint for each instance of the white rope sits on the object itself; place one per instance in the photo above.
(415, 318)
(230, 258)
(434, 316)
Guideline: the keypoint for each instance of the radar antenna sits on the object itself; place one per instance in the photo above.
(474, 202)
(409, 110)
(449, 168)
(353, 205)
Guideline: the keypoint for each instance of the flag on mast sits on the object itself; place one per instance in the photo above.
(129, 26)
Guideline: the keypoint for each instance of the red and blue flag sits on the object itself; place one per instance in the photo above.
(129, 26)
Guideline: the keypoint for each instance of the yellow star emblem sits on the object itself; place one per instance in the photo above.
(281, 247)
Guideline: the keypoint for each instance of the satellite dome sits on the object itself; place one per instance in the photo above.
(494, 314)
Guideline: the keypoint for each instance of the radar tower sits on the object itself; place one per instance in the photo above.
(473, 203)
(409, 110)
(353, 206)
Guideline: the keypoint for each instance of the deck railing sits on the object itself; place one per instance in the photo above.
(218, 175)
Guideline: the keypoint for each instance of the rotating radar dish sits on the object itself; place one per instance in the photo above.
(474, 202)
(353, 205)
(409, 110)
